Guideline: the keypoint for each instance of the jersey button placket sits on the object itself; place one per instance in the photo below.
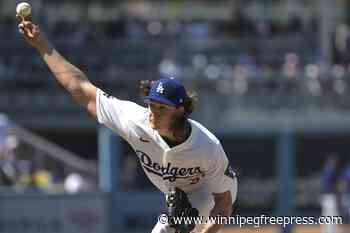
(165, 162)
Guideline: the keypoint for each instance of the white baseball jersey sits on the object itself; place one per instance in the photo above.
(198, 161)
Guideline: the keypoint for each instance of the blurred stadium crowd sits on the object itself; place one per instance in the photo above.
(27, 169)
(239, 55)
(335, 179)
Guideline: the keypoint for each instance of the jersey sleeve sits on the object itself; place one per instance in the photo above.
(220, 176)
(118, 115)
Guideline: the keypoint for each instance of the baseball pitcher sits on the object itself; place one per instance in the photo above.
(180, 156)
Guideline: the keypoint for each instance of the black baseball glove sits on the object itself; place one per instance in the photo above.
(178, 206)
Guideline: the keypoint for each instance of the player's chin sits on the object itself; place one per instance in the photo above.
(153, 125)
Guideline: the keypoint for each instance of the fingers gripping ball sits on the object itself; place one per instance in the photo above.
(23, 9)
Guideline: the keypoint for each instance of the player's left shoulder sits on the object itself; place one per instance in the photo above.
(203, 134)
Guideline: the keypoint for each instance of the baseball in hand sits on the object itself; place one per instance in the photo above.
(23, 9)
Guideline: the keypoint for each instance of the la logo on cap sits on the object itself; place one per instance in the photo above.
(160, 88)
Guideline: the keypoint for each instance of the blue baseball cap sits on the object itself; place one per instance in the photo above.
(167, 91)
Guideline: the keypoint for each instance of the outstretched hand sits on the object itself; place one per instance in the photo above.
(31, 32)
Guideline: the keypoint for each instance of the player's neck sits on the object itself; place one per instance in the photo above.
(179, 135)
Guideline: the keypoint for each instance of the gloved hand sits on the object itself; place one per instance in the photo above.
(179, 207)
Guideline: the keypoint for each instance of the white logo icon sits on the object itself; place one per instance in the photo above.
(160, 88)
